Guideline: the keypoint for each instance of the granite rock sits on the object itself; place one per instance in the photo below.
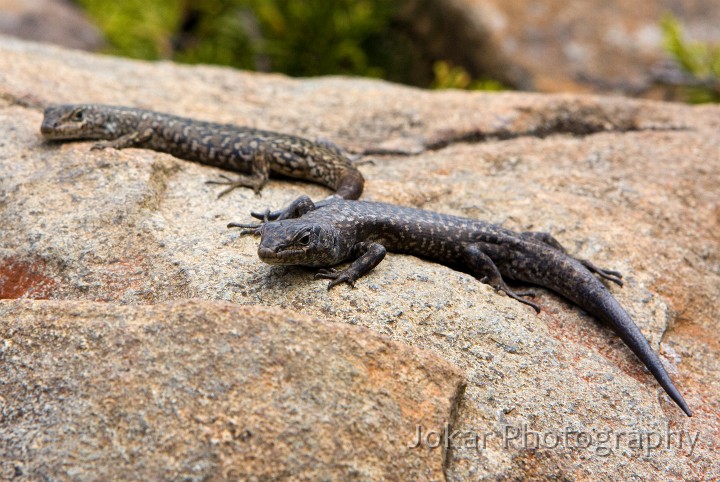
(631, 185)
(207, 390)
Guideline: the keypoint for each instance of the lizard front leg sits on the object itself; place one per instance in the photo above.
(290, 211)
(132, 139)
(549, 240)
(296, 209)
(368, 256)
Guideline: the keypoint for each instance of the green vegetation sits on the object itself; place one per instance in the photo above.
(699, 61)
(448, 76)
(299, 38)
(137, 28)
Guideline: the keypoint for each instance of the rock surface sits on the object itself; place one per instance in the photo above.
(54, 21)
(200, 390)
(631, 185)
(558, 46)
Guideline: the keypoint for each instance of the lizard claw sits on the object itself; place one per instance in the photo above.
(227, 180)
(267, 215)
(232, 184)
(99, 146)
(608, 274)
(527, 294)
(360, 162)
(501, 286)
(337, 277)
(254, 229)
(519, 297)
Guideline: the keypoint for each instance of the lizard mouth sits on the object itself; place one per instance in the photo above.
(271, 256)
(51, 131)
(48, 129)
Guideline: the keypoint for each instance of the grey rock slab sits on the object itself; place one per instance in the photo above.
(207, 390)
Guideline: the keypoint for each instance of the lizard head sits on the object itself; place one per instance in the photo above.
(298, 242)
(82, 121)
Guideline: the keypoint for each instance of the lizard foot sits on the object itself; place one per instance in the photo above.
(268, 215)
(102, 145)
(337, 276)
(362, 162)
(610, 275)
(232, 184)
(501, 286)
(295, 209)
(519, 297)
(254, 229)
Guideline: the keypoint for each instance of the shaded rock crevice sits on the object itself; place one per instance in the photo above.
(454, 413)
(556, 118)
(573, 127)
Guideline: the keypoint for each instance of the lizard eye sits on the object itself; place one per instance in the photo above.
(304, 239)
(78, 116)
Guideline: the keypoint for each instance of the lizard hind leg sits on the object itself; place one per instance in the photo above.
(132, 139)
(483, 268)
(549, 240)
(543, 238)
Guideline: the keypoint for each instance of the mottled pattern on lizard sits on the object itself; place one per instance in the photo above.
(361, 232)
(241, 149)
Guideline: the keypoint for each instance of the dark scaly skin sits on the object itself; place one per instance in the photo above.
(240, 149)
(361, 232)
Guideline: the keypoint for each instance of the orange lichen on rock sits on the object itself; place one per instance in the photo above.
(24, 279)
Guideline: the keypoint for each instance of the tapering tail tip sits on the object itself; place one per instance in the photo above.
(681, 403)
(673, 393)
(609, 310)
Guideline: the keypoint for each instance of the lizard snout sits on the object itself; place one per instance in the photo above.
(268, 254)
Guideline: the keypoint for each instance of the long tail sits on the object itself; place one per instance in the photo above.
(594, 297)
